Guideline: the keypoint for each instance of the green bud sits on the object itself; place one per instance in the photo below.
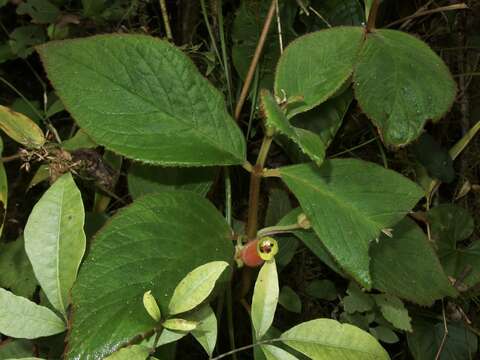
(151, 306)
(180, 324)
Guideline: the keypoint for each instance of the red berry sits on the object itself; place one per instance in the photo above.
(249, 255)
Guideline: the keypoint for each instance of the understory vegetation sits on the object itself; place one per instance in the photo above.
(239, 179)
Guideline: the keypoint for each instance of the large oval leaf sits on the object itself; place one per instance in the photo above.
(265, 298)
(325, 339)
(400, 83)
(143, 98)
(151, 245)
(55, 241)
(406, 266)
(313, 67)
(22, 318)
(146, 179)
(20, 128)
(349, 202)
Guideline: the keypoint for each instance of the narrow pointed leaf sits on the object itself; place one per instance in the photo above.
(308, 142)
(20, 128)
(400, 83)
(55, 240)
(22, 318)
(150, 245)
(180, 325)
(313, 67)
(406, 266)
(143, 98)
(324, 339)
(195, 287)
(349, 202)
(265, 298)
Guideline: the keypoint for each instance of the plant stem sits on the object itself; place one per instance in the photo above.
(278, 229)
(255, 181)
(231, 328)
(372, 16)
(223, 45)
(243, 348)
(166, 22)
(255, 59)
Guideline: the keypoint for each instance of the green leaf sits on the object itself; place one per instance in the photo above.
(427, 336)
(55, 241)
(180, 325)
(30, 108)
(93, 8)
(394, 311)
(150, 304)
(42, 174)
(278, 206)
(195, 287)
(406, 266)
(290, 300)
(313, 67)
(357, 300)
(265, 298)
(308, 142)
(322, 289)
(133, 352)
(143, 98)
(14, 348)
(79, 141)
(23, 38)
(150, 245)
(41, 11)
(384, 334)
(450, 224)
(400, 83)
(324, 339)
(275, 353)
(24, 319)
(145, 179)
(323, 120)
(347, 209)
(16, 273)
(311, 240)
(20, 128)
(434, 158)
(206, 330)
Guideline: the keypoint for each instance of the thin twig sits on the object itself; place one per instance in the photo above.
(372, 16)
(243, 348)
(445, 334)
(461, 6)
(166, 21)
(279, 26)
(255, 59)
(10, 158)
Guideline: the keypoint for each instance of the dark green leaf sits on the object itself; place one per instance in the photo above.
(400, 83)
(427, 336)
(406, 266)
(434, 158)
(322, 289)
(315, 66)
(394, 311)
(145, 179)
(16, 272)
(143, 98)
(290, 300)
(41, 11)
(151, 245)
(357, 300)
(23, 38)
(349, 202)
